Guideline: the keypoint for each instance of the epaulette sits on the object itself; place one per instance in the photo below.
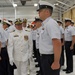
(27, 30)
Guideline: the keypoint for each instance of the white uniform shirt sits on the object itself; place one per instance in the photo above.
(3, 37)
(61, 31)
(0, 37)
(69, 32)
(33, 34)
(73, 27)
(50, 30)
(37, 37)
(27, 29)
(11, 28)
(20, 45)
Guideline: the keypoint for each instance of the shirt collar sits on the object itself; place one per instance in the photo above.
(45, 21)
(19, 30)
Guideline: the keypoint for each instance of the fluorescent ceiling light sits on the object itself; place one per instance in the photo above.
(35, 4)
(14, 5)
(56, 4)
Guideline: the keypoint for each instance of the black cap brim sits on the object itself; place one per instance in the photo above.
(44, 6)
(67, 20)
(38, 9)
(59, 22)
(37, 20)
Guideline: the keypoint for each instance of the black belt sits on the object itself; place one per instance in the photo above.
(46, 54)
(68, 41)
(3, 47)
(62, 39)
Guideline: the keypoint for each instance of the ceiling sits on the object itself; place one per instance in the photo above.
(62, 4)
(29, 11)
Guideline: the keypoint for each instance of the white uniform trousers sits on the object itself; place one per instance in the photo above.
(22, 67)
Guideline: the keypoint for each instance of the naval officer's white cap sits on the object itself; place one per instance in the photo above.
(5, 21)
(67, 19)
(59, 21)
(0, 20)
(44, 4)
(72, 22)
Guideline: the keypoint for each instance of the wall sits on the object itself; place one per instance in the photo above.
(69, 14)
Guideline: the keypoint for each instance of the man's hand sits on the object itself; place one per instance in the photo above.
(0, 58)
(55, 65)
(57, 54)
(71, 47)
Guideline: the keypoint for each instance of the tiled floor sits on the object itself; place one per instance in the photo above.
(61, 73)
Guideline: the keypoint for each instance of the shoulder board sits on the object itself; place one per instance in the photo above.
(27, 30)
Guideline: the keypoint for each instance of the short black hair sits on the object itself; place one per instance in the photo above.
(0, 21)
(37, 20)
(9, 21)
(72, 22)
(6, 24)
(59, 22)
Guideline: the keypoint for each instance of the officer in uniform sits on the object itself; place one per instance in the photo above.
(72, 24)
(4, 54)
(49, 41)
(20, 48)
(0, 38)
(62, 41)
(6, 26)
(10, 22)
(69, 44)
(0, 46)
(8, 30)
(33, 31)
(38, 23)
(30, 61)
(25, 27)
(24, 24)
(12, 27)
(0, 55)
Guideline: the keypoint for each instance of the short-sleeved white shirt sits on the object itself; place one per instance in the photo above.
(37, 37)
(33, 32)
(69, 32)
(3, 37)
(11, 28)
(61, 31)
(50, 31)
